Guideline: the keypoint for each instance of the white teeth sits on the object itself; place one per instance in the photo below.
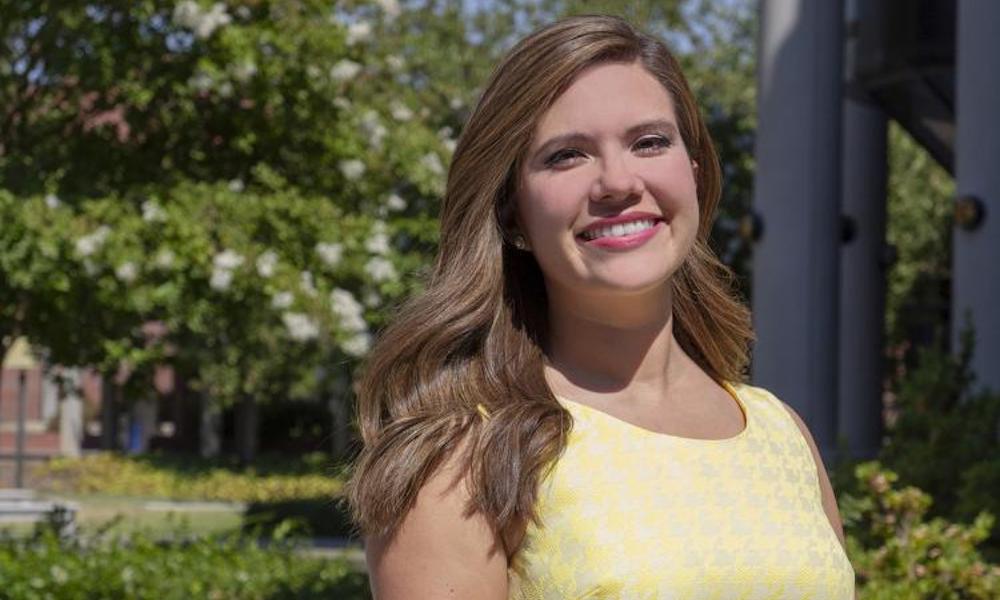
(619, 229)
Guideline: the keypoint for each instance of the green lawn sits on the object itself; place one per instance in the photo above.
(129, 514)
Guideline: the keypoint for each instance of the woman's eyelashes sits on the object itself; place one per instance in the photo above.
(652, 144)
(562, 157)
(648, 145)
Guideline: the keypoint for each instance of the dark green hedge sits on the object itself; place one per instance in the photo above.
(85, 567)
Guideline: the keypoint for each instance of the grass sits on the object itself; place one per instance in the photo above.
(130, 514)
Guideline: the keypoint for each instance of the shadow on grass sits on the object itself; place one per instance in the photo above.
(266, 464)
(319, 517)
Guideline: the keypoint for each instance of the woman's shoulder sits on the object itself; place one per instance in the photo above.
(757, 395)
(762, 400)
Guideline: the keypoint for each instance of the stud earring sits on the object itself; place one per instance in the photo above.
(520, 242)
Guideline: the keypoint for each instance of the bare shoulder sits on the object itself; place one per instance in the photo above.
(826, 489)
(439, 551)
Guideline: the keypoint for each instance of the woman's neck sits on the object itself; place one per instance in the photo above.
(613, 344)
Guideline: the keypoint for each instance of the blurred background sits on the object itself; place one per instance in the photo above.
(207, 210)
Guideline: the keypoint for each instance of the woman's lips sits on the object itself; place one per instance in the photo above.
(623, 242)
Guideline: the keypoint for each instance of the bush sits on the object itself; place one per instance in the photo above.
(898, 555)
(183, 479)
(50, 565)
(946, 439)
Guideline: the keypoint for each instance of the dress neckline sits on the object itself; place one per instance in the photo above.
(600, 414)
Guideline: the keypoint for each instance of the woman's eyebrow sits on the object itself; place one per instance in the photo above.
(653, 125)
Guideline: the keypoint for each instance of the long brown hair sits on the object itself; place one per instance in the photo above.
(477, 335)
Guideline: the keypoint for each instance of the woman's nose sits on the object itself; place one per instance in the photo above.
(617, 180)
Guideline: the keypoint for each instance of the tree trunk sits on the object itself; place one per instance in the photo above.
(340, 429)
(3, 356)
(246, 430)
(109, 413)
(210, 428)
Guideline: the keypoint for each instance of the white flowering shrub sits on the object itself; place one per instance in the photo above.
(259, 180)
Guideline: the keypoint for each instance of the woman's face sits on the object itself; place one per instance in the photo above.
(608, 201)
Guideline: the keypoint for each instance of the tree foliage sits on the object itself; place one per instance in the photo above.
(244, 189)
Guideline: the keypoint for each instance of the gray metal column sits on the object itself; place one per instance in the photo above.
(797, 195)
(862, 279)
(862, 267)
(976, 253)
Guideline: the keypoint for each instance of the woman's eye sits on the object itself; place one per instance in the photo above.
(562, 157)
(651, 144)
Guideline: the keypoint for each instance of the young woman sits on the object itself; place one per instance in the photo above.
(560, 414)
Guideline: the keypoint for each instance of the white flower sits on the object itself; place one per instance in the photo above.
(91, 243)
(342, 103)
(244, 71)
(52, 201)
(330, 253)
(391, 8)
(352, 169)
(164, 259)
(221, 279)
(59, 574)
(188, 14)
(372, 128)
(226, 89)
(372, 299)
(126, 272)
(201, 81)
(400, 111)
(395, 202)
(395, 62)
(90, 267)
(344, 69)
(357, 345)
(282, 300)
(348, 311)
(300, 327)
(223, 264)
(449, 145)
(266, 263)
(378, 239)
(432, 162)
(359, 32)
(227, 260)
(456, 103)
(380, 269)
(307, 283)
(236, 185)
(152, 213)
(313, 71)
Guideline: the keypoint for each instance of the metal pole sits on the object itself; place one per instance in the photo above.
(797, 194)
(862, 273)
(975, 268)
(22, 400)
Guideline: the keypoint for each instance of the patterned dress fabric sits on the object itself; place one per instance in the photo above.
(631, 513)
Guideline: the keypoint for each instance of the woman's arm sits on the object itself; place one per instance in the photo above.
(439, 551)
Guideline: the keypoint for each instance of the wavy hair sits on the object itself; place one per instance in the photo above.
(477, 335)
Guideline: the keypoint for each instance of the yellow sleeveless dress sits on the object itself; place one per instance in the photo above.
(630, 513)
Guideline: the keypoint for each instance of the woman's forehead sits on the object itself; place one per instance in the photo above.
(616, 95)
